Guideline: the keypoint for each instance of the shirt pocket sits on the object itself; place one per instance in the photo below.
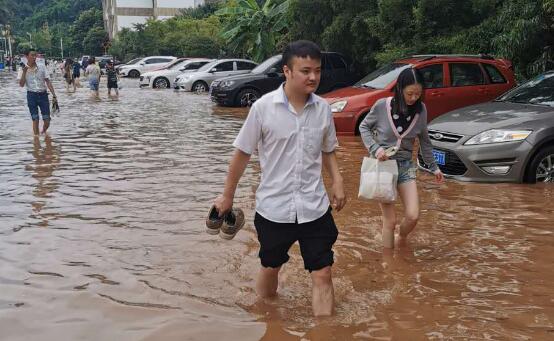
(313, 140)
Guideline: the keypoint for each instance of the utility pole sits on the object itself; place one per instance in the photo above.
(61, 45)
(30, 41)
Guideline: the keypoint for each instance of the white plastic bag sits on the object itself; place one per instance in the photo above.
(378, 180)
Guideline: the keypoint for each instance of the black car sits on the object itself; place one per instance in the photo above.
(243, 90)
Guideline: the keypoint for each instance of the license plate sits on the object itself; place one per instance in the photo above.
(440, 157)
(210, 91)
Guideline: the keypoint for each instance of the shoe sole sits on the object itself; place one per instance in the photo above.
(212, 231)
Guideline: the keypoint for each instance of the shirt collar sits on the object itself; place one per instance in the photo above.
(281, 97)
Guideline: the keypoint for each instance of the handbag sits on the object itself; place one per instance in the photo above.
(378, 180)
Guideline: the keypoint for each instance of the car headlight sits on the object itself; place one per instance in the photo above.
(226, 84)
(497, 135)
(338, 106)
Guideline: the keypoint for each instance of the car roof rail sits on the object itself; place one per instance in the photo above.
(431, 56)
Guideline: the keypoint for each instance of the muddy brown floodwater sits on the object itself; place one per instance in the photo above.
(102, 238)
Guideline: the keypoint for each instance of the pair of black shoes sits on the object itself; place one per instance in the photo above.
(226, 226)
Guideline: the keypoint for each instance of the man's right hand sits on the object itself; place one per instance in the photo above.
(223, 205)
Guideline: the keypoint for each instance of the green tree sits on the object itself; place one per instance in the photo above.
(254, 29)
(90, 19)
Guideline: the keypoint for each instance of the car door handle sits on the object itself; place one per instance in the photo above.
(482, 90)
(437, 93)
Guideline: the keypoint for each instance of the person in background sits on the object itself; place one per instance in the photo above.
(77, 74)
(36, 78)
(68, 74)
(93, 74)
(113, 78)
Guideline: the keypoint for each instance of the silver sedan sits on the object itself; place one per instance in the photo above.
(508, 140)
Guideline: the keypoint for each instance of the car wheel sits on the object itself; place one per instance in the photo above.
(541, 168)
(161, 83)
(134, 74)
(200, 86)
(247, 97)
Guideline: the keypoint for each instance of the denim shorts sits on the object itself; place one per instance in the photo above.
(406, 171)
(36, 100)
(93, 84)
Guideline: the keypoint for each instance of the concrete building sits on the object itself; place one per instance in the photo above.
(119, 14)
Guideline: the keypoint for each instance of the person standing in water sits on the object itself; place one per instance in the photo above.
(93, 73)
(397, 121)
(111, 75)
(37, 79)
(293, 132)
(68, 74)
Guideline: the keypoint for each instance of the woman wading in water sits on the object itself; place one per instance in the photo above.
(397, 121)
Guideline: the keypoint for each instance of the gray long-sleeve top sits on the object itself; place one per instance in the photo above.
(377, 131)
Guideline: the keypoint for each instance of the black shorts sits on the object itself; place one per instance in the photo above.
(316, 239)
(112, 84)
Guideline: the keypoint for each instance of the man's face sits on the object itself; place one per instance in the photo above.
(32, 57)
(304, 74)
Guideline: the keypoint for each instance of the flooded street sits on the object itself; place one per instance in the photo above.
(102, 238)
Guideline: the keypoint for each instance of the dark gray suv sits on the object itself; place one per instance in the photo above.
(243, 90)
(510, 139)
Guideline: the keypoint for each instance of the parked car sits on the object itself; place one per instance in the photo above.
(165, 78)
(145, 64)
(510, 139)
(200, 80)
(451, 82)
(132, 61)
(243, 90)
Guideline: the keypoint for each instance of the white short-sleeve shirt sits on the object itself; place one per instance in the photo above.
(289, 147)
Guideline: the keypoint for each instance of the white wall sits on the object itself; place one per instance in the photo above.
(128, 21)
(176, 3)
(135, 3)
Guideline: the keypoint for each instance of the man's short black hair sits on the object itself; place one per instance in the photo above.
(27, 51)
(301, 49)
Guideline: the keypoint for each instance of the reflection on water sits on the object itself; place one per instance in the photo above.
(102, 238)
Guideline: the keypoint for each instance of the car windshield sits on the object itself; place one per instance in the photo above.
(208, 66)
(176, 64)
(382, 77)
(133, 61)
(538, 91)
(266, 65)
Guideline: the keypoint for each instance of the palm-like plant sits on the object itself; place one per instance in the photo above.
(254, 28)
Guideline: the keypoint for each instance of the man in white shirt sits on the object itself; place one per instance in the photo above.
(293, 132)
(36, 78)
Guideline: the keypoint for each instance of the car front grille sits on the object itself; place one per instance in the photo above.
(141, 78)
(214, 84)
(453, 165)
(442, 136)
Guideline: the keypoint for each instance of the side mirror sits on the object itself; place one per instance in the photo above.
(141, 63)
(213, 70)
(273, 70)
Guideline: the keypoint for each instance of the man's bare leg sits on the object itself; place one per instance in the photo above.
(45, 125)
(35, 127)
(268, 281)
(323, 296)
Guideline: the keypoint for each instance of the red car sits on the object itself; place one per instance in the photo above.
(451, 82)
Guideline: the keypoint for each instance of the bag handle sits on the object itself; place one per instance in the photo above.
(391, 122)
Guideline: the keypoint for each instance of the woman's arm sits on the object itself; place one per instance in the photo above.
(366, 131)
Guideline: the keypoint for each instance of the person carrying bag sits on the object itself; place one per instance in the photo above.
(388, 132)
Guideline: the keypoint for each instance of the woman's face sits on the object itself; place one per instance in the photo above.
(412, 93)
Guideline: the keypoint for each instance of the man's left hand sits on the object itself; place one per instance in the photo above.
(339, 198)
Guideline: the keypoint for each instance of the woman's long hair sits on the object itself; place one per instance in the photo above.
(407, 77)
(68, 66)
